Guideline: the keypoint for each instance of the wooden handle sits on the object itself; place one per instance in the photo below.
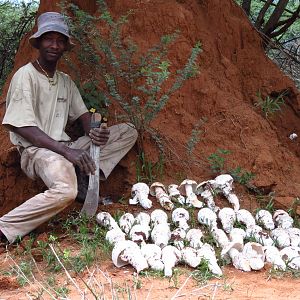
(95, 120)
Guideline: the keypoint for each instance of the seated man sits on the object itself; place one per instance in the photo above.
(40, 102)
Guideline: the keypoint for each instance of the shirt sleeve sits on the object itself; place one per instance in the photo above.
(20, 101)
(77, 106)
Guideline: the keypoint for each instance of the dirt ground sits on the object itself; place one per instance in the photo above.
(221, 100)
(234, 284)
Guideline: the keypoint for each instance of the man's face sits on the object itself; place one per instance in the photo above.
(52, 45)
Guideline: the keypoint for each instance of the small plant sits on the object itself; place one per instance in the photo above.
(241, 176)
(174, 279)
(137, 283)
(293, 212)
(195, 136)
(270, 105)
(266, 202)
(147, 171)
(289, 272)
(217, 160)
(202, 274)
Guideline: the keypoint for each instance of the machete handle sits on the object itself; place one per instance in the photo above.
(96, 120)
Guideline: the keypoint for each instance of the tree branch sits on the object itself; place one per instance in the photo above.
(246, 6)
(260, 18)
(286, 24)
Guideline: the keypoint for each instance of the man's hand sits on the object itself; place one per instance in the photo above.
(81, 159)
(99, 136)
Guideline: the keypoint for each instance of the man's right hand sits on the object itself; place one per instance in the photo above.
(82, 159)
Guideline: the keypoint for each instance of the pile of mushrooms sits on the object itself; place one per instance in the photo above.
(160, 241)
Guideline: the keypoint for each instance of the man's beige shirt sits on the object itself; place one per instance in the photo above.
(31, 101)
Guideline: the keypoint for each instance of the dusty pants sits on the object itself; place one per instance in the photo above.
(59, 176)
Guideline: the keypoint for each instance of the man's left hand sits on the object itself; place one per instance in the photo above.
(99, 136)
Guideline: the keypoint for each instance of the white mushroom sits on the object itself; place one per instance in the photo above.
(170, 256)
(175, 195)
(261, 237)
(227, 217)
(114, 236)
(158, 216)
(152, 253)
(106, 220)
(128, 252)
(220, 237)
(291, 255)
(237, 235)
(158, 190)
(190, 256)
(139, 233)
(126, 221)
(254, 253)
(188, 188)
(180, 217)
(272, 255)
(161, 234)
(206, 191)
(208, 253)
(142, 218)
(282, 219)
(177, 236)
(245, 217)
(194, 236)
(140, 195)
(264, 238)
(224, 183)
(207, 217)
(294, 234)
(281, 237)
(234, 250)
(252, 231)
(264, 218)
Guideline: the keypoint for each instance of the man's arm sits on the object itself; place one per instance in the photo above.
(40, 139)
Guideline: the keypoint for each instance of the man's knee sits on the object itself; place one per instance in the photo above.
(131, 131)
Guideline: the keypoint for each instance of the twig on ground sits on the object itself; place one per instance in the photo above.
(182, 286)
(66, 271)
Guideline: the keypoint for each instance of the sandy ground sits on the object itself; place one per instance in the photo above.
(109, 282)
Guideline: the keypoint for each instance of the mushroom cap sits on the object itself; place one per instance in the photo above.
(185, 182)
(207, 217)
(115, 235)
(194, 232)
(264, 217)
(139, 233)
(180, 213)
(201, 187)
(279, 212)
(159, 216)
(106, 220)
(141, 187)
(252, 249)
(117, 250)
(223, 179)
(232, 245)
(142, 218)
(155, 185)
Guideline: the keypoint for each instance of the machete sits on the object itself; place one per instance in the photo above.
(92, 197)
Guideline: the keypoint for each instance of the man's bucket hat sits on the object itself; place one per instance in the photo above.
(51, 21)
